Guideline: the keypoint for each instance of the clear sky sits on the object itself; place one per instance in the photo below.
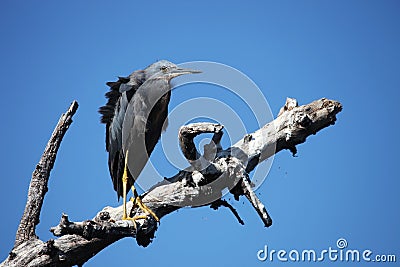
(342, 184)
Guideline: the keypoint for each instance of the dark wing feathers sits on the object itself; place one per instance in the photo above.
(114, 143)
(112, 114)
(123, 79)
(155, 123)
(134, 81)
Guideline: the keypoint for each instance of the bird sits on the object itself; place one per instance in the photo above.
(135, 115)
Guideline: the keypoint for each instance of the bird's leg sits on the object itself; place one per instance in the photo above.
(138, 201)
(124, 184)
(124, 189)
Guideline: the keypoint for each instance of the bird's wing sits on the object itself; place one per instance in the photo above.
(133, 134)
(114, 144)
(113, 114)
(157, 122)
(124, 84)
(143, 123)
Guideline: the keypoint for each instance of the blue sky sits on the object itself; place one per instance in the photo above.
(343, 184)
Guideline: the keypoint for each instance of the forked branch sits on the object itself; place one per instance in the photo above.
(201, 184)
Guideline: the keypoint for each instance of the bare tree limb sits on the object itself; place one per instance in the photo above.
(188, 132)
(223, 203)
(257, 204)
(193, 187)
(40, 178)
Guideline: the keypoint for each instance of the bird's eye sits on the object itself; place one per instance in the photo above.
(164, 68)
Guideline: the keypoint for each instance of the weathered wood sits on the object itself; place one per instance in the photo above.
(188, 132)
(40, 178)
(79, 241)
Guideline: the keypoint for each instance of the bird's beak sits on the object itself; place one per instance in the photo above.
(180, 71)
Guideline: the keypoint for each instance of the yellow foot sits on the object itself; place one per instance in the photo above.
(142, 206)
(133, 219)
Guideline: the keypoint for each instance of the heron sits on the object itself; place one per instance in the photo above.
(135, 116)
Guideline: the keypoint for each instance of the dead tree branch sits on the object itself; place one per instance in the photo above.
(199, 185)
(40, 178)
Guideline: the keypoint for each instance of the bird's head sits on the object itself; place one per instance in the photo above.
(167, 69)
